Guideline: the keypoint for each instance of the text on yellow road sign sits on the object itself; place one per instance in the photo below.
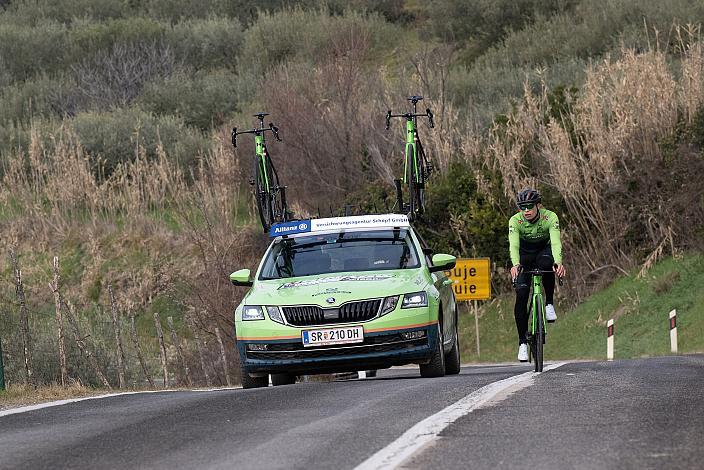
(471, 278)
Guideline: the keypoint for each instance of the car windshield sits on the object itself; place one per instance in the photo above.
(340, 252)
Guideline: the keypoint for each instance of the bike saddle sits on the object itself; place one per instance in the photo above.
(261, 115)
(414, 98)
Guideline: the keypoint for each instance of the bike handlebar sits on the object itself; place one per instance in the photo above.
(536, 271)
(274, 130)
(410, 116)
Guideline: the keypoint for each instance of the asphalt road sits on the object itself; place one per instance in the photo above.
(646, 413)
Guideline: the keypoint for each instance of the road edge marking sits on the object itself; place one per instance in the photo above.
(427, 430)
(39, 406)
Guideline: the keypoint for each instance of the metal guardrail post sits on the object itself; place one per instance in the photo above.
(2, 369)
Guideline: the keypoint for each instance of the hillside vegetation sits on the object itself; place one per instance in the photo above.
(115, 154)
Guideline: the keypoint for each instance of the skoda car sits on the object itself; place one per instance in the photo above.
(346, 294)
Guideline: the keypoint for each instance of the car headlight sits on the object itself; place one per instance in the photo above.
(252, 312)
(275, 314)
(389, 305)
(416, 299)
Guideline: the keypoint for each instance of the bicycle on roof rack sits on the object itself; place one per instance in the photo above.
(417, 167)
(269, 195)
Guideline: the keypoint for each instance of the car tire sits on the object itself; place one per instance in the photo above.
(253, 382)
(282, 379)
(436, 366)
(452, 359)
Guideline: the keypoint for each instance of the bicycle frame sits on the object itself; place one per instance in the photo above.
(411, 145)
(261, 151)
(537, 293)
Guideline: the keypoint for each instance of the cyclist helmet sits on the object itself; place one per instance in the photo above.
(528, 196)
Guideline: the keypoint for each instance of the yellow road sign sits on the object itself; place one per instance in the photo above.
(471, 278)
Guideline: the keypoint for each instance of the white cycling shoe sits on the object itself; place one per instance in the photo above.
(550, 314)
(523, 352)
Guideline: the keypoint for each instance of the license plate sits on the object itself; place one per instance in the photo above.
(327, 336)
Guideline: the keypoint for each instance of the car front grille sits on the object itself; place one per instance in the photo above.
(308, 315)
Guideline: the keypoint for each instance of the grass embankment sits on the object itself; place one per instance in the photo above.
(23, 395)
(639, 307)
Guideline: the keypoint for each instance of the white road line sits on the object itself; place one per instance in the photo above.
(24, 409)
(428, 430)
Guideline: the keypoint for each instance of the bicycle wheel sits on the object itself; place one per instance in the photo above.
(411, 177)
(276, 202)
(261, 196)
(539, 336)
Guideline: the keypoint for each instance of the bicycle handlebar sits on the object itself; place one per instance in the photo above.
(538, 272)
(274, 130)
(410, 116)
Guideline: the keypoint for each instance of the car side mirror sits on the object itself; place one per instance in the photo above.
(241, 278)
(442, 262)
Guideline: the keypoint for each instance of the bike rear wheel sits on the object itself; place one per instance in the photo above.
(539, 336)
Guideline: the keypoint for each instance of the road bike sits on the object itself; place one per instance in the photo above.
(416, 166)
(536, 310)
(269, 194)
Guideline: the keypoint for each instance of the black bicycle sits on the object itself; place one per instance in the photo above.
(269, 194)
(417, 166)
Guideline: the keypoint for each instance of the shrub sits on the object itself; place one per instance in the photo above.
(90, 37)
(115, 136)
(41, 96)
(204, 100)
(26, 51)
(207, 43)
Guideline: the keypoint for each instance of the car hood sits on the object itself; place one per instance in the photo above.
(328, 290)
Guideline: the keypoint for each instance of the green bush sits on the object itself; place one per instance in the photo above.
(26, 51)
(90, 37)
(115, 136)
(65, 11)
(41, 96)
(297, 35)
(207, 43)
(204, 100)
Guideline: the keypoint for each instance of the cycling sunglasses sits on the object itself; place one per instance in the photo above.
(526, 207)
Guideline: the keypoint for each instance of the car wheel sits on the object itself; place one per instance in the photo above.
(283, 379)
(452, 360)
(436, 366)
(252, 382)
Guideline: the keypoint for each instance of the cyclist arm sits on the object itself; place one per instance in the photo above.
(514, 241)
(556, 243)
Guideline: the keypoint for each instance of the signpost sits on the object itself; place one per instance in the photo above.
(471, 280)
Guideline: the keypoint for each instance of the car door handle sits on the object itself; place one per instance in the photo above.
(447, 282)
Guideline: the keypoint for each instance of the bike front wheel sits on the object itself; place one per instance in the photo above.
(415, 187)
(262, 196)
(539, 336)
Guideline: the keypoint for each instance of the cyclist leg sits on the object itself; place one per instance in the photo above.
(545, 262)
(520, 310)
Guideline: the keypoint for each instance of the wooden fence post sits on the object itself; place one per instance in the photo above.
(179, 351)
(162, 346)
(135, 341)
(24, 319)
(54, 285)
(118, 339)
(224, 357)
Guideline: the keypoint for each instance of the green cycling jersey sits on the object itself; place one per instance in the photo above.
(545, 228)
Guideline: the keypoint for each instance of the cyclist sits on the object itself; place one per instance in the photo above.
(534, 242)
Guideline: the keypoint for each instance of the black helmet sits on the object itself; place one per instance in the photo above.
(528, 196)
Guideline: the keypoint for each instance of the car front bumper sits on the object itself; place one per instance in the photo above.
(380, 349)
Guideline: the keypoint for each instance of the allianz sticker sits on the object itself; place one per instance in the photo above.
(325, 280)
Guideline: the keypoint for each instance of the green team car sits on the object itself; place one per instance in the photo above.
(346, 294)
